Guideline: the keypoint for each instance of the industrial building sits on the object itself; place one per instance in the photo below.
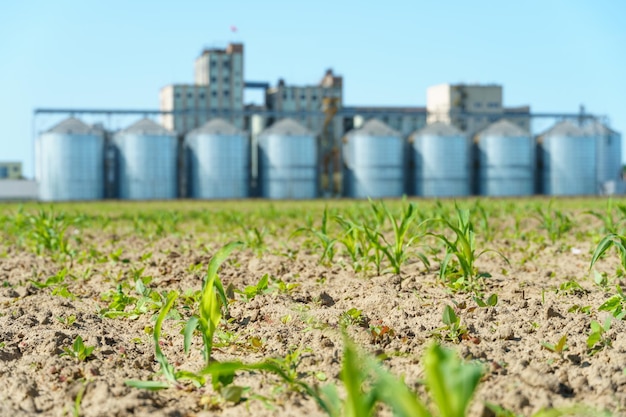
(10, 170)
(305, 142)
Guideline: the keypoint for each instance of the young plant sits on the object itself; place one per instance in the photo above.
(78, 351)
(554, 222)
(463, 249)
(559, 347)
(396, 251)
(616, 304)
(262, 287)
(618, 241)
(212, 301)
(597, 339)
(326, 243)
(455, 330)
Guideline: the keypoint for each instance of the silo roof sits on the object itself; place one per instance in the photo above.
(374, 127)
(287, 127)
(503, 128)
(439, 129)
(565, 128)
(217, 127)
(146, 127)
(597, 128)
(73, 126)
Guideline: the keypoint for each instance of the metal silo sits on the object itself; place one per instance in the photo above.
(288, 161)
(441, 157)
(373, 157)
(608, 158)
(146, 161)
(506, 158)
(218, 157)
(569, 160)
(71, 162)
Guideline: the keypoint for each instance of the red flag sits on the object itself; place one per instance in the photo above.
(233, 28)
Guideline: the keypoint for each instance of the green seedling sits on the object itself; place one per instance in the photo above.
(78, 350)
(571, 288)
(609, 223)
(284, 287)
(325, 242)
(262, 287)
(554, 222)
(67, 321)
(491, 301)
(455, 330)
(560, 347)
(597, 339)
(355, 243)
(212, 301)
(396, 251)
(463, 249)
(616, 304)
(352, 317)
(451, 384)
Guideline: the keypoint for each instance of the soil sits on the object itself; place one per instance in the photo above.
(36, 326)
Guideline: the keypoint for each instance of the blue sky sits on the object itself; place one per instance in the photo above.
(552, 55)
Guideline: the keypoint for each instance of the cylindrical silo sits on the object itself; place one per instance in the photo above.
(288, 161)
(146, 161)
(608, 158)
(71, 162)
(373, 157)
(506, 160)
(441, 158)
(218, 161)
(569, 160)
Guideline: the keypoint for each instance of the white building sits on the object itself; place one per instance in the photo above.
(218, 87)
(471, 107)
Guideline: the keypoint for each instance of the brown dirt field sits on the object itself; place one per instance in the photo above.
(520, 374)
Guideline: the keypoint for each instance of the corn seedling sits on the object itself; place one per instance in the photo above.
(212, 300)
(78, 350)
(554, 222)
(618, 241)
(463, 249)
(396, 251)
(597, 339)
(609, 223)
(325, 242)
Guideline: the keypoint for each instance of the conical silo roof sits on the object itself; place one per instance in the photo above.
(503, 128)
(217, 127)
(374, 127)
(439, 129)
(597, 128)
(287, 127)
(73, 126)
(146, 127)
(564, 128)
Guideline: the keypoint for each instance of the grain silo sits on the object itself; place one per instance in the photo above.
(440, 158)
(374, 164)
(608, 157)
(506, 160)
(218, 161)
(146, 162)
(568, 156)
(71, 162)
(288, 161)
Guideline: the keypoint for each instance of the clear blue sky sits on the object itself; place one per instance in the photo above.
(552, 55)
